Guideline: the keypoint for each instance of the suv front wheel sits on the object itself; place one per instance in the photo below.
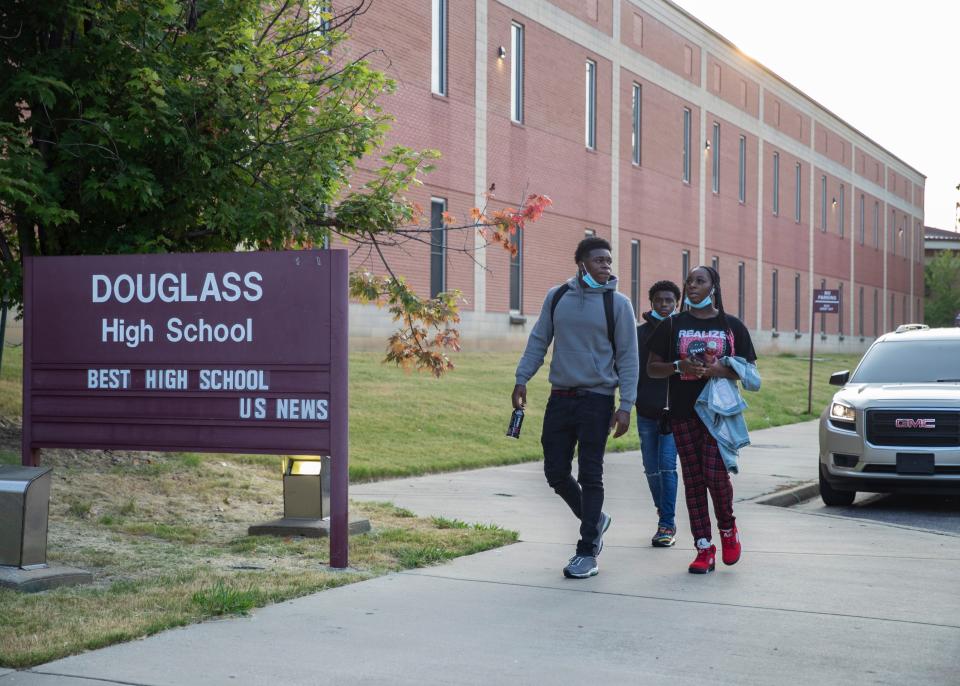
(833, 497)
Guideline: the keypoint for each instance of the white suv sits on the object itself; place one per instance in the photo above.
(895, 424)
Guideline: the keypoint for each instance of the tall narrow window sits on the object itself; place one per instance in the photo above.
(516, 274)
(637, 109)
(741, 289)
(776, 184)
(796, 303)
(516, 72)
(797, 193)
(841, 313)
(823, 317)
(860, 313)
(876, 313)
(893, 312)
(438, 247)
(685, 264)
(742, 170)
(903, 312)
(716, 157)
(843, 211)
(862, 223)
(438, 62)
(687, 123)
(590, 106)
(774, 299)
(635, 276)
(893, 232)
(876, 224)
(823, 203)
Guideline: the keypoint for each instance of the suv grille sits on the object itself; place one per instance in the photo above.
(884, 429)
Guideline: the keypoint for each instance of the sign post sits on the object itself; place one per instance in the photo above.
(824, 301)
(217, 352)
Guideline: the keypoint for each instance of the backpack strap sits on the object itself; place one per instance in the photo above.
(556, 299)
(611, 322)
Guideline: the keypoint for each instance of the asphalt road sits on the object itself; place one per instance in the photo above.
(930, 513)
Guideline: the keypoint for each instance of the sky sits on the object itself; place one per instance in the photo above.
(889, 69)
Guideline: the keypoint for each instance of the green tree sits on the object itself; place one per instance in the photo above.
(942, 280)
(131, 126)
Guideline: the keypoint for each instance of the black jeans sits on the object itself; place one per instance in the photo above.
(582, 421)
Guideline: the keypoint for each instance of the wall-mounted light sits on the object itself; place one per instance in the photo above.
(706, 146)
(834, 203)
(501, 52)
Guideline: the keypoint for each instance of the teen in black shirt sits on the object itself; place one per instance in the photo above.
(701, 334)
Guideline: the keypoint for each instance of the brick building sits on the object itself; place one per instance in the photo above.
(648, 128)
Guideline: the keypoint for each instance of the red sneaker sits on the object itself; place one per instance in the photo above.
(706, 560)
(730, 542)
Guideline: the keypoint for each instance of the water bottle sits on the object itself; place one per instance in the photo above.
(516, 421)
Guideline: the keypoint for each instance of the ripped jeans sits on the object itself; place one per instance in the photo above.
(660, 465)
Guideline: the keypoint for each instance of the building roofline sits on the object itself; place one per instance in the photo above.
(789, 85)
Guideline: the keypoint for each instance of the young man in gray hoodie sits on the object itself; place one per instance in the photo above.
(594, 352)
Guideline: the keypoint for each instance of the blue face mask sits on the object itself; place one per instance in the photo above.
(589, 280)
(656, 315)
(706, 302)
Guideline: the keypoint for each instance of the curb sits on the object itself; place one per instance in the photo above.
(791, 496)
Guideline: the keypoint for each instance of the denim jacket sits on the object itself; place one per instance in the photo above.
(720, 408)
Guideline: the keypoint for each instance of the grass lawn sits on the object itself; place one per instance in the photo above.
(405, 424)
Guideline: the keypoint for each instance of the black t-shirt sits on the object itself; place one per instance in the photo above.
(703, 338)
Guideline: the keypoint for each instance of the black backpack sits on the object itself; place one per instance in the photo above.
(607, 311)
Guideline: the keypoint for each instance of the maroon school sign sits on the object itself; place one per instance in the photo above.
(226, 352)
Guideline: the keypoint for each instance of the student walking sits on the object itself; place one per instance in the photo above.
(702, 335)
(592, 328)
(657, 446)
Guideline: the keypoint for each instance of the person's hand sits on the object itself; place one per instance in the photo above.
(692, 366)
(714, 370)
(620, 422)
(519, 397)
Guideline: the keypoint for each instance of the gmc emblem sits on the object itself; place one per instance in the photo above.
(915, 423)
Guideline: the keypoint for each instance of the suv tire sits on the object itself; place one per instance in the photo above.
(832, 497)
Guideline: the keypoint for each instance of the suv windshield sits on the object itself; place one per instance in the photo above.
(910, 362)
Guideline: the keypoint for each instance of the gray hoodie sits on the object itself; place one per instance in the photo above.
(582, 355)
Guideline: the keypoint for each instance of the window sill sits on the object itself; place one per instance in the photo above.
(440, 96)
(518, 124)
(517, 320)
(775, 334)
(797, 334)
(823, 337)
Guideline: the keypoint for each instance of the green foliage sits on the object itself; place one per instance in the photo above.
(221, 599)
(942, 280)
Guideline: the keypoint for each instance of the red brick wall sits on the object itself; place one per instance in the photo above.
(733, 86)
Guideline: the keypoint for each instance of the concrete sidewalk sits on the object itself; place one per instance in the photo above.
(815, 599)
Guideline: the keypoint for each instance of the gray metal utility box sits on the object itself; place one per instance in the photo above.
(24, 510)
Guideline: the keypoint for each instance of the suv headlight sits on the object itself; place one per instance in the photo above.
(843, 416)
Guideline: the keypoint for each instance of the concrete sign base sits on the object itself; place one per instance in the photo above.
(43, 578)
(309, 528)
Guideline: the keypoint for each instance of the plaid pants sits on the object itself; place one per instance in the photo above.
(703, 471)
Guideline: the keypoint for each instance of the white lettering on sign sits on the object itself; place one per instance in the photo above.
(118, 331)
(108, 378)
(165, 379)
(171, 288)
(202, 331)
(233, 380)
(302, 408)
(256, 408)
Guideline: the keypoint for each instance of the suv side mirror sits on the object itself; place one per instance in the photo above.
(840, 378)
